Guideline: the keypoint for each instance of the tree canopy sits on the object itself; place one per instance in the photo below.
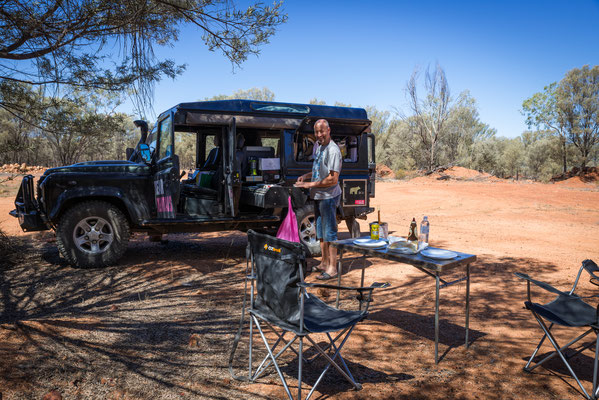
(570, 110)
(108, 44)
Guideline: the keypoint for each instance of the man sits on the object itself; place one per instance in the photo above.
(325, 190)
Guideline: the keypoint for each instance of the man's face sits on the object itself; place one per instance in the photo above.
(323, 133)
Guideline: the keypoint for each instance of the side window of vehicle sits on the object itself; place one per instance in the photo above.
(305, 146)
(210, 144)
(166, 139)
(272, 142)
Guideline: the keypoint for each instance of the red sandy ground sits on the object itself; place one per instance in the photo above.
(545, 230)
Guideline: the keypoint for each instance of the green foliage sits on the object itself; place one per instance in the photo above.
(578, 102)
(264, 94)
(86, 128)
(108, 44)
(569, 110)
(64, 131)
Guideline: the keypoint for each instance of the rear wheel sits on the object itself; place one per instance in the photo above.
(306, 223)
(92, 234)
(353, 226)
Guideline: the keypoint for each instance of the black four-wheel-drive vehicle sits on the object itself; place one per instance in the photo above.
(243, 158)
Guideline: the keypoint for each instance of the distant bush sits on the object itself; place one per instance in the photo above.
(403, 174)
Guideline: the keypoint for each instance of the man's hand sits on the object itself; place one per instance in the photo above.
(305, 185)
(301, 181)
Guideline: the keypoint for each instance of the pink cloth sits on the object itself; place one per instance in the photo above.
(288, 229)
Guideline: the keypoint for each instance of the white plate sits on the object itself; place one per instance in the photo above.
(439, 254)
(403, 250)
(369, 243)
(393, 239)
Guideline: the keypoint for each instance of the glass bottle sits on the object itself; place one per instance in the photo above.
(413, 236)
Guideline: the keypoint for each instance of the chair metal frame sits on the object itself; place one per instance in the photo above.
(331, 352)
(591, 268)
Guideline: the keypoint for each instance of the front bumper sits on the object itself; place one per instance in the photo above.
(27, 210)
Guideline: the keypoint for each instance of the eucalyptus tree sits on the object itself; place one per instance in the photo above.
(431, 112)
(109, 44)
(577, 98)
(260, 94)
(541, 111)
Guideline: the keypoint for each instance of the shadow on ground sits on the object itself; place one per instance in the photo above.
(162, 322)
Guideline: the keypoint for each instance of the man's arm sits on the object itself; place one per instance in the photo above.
(305, 177)
(330, 180)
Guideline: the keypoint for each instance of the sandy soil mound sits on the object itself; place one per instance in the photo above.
(578, 178)
(457, 173)
(382, 171)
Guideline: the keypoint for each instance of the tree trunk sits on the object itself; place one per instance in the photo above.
(564, 154)
(431, 163)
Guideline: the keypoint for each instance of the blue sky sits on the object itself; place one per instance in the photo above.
(363, 53)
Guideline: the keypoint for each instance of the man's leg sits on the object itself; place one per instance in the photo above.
(329, 231)
(332, 260)
(324, 251)
(319, 235)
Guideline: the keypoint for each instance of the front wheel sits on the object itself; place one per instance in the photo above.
(92, 234)
(306, 223)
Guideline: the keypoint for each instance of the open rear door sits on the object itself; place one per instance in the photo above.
(230, 169)
(167, 175)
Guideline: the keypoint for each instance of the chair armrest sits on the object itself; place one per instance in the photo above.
(375, 285)
(591, 267)
(541, 284)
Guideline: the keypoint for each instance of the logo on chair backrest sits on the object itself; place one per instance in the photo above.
(271, 248)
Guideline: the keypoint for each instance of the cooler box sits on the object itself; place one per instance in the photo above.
(271, 169)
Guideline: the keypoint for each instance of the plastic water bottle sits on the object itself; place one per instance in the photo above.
(423, 237)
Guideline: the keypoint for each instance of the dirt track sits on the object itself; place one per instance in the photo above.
(160, 324)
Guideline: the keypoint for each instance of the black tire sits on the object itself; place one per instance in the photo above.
(92, 234)
(353, 226)
(306, 224)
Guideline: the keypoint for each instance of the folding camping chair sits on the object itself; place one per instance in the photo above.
(279, 301)
(568, 310)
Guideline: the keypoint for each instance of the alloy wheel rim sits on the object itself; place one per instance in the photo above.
(307, 230)
(93, 235)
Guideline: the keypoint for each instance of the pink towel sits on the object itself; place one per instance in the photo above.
(288, 229)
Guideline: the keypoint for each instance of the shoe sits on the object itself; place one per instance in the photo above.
(325, 276)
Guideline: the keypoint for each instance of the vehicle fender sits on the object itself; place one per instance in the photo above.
(135, 204)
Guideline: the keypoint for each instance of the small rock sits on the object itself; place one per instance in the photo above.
(52, 395)
(194, 340)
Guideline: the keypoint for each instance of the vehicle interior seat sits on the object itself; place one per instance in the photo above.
(214, 157)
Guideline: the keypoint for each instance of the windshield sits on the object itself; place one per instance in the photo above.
(151, 139)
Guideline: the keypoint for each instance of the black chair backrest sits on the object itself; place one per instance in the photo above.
(277, 265)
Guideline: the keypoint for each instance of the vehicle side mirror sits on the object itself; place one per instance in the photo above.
(144, 152)
(129, 152)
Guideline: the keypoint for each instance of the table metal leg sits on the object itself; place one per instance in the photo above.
(362, 281)
(339, 258)
(467, 301)
(436, 318)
